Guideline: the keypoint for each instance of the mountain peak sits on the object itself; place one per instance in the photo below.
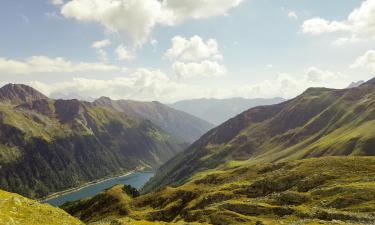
(20, 93)
(370, 82)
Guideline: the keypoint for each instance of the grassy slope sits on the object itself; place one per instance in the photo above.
(328, 190)
(15, 209)
(320, 122)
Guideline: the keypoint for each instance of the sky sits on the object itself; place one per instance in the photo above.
(172, 50)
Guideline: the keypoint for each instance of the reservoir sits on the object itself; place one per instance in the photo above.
(136, 180)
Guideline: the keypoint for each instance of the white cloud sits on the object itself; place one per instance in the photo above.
(57, 2)
(154, 42)
(292, 15)
(148, 85)
(205, 68)
(137, 18)
(366, 61)
(359, 24)
(318, 26)
(193, 49)
(123, 53)
(44, 64)
(99, 45)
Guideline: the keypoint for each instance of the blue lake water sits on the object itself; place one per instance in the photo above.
(136, 180)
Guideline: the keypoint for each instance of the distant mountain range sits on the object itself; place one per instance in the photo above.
(320, 122)
(182, 125)
(217, 111)
(49, 145)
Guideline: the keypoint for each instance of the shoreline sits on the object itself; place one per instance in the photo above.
(88, 184)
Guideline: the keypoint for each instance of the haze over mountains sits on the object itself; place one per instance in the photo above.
(51, 145)
(178, 123)
(217, 111)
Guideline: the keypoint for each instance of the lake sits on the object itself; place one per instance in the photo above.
(136, 180)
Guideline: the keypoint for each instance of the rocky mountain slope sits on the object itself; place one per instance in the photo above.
(15, 209)
(182, 125)
(320, 122)
(217, 111)
(51, 145)
(328, 190)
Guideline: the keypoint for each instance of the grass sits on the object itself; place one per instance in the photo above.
(329, 190)
(15, 209)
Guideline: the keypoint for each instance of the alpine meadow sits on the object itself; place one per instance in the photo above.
(187, 112)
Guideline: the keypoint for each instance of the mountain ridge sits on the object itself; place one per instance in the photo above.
(50, 145)
(319, 122)
(180, 124)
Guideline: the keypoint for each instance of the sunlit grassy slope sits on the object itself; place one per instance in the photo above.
(15, 209)
(328, 190)
(320, 122)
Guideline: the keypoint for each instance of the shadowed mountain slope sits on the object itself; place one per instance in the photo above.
(52, 145)
(177, 123)
(320, 122)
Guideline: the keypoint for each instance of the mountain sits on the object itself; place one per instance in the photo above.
(177, 123)
(320, 122)
(15, 209)
(217, 111)
(19, 93)
(51, 145)
(329, 190)
(356, 84)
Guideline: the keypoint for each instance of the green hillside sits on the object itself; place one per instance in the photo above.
(320, 122)
(52, 145)
(329, 190)
(15, 209)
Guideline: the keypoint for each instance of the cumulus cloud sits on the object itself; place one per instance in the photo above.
(99, 46)
(148, 85)
(44, 64)
(193, 49)
(205, 68)
(366, 61)
(292, 15)
(359, 24)
(57, 2)
(137, 18)
(123, 53)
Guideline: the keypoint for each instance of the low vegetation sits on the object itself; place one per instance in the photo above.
(15, 209)
(329, 190)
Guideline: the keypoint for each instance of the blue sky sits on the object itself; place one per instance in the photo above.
(267, 47)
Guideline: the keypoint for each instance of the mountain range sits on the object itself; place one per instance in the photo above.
(217, 111)
(308, 160)
(49, 145)
(320, 122)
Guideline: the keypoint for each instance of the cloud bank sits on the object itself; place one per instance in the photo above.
(137, 18)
